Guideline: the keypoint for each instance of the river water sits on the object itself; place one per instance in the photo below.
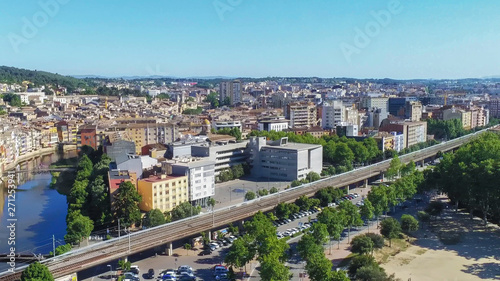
(40, 210)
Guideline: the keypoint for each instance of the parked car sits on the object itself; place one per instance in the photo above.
(219, 270)
(134, 269)
(205, 252)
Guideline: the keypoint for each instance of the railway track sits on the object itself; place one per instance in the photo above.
(110, 250)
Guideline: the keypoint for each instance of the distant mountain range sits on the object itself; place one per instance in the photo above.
(150, 77)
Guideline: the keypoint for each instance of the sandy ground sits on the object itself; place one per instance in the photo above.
(475, 257)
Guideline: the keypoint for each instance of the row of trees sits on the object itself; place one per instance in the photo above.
(88, 201)
(310, 177)
(310, 249)
(250, 195)
(470, 176)
(262, 243)
(235, 172)
(234, 132)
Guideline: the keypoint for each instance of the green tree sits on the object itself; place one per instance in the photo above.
(371, 273)
(188, 247)
(335, 221)
(78, 227)
(153, 218)
(319, 267)
(366, 211)
(271, 269)
(408, 223)
(352, 216)
(361, 244)
(61, 249)
(408, 169)
(184, 210)
(36, 272)
(295, 183)
(126, 204)
(124, 265)
(273, 190)
(394, 168)
(99, 206)
(240, 253)
(282, 211)
(263, 192)
(423, 217)
(390, 229)
(307, 246)
(378, 240)
(250, 195)
(84, 169)
(360, 261)
(312, 176)
(378, 198)
(319, 233)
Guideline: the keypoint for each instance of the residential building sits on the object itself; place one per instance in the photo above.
(87, 136)
(163, 192)
(230, 90)
(282, 160)
(347, 130)
(276, 125)
(301, 114)
(333, 114)
(201, 179)
(219, 125)
(413, 111)
(413, 132)
(494, 107)
(376, 102)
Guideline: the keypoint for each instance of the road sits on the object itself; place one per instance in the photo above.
(104, 252)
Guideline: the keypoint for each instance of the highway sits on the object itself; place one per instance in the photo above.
(113, 249)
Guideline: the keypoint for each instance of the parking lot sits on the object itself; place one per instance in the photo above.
(202, 265)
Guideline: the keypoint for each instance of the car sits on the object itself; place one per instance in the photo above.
(187, 273)
(150, 274)
(216, 245)
(184, 268)
(219, 270)
(233, 237)
(131, 275)
(171, 272)
(205, 252)
(134, 269)
(168, 277)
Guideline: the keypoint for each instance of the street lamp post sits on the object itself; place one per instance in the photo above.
(129, 239)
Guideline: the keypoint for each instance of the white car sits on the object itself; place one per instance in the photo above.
(216, 245)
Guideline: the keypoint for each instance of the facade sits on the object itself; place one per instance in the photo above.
(182, 149)
(347, 130)
(227, 125)
(273, 125)
(376, 102)
(87, 136)
(119, 150)
(413, 132)
(143, 134)
(282, 160)
(201, 179)
(413, 111)
(333, 114)
(225, 154)
(162, 192)
(494, 107)
(231, 90)
(301, 114)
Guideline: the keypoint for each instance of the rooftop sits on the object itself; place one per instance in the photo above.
(161, 178)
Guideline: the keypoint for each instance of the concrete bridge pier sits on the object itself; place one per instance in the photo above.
(382, 177)
(365, 183)
(422, 163)
(168, 249)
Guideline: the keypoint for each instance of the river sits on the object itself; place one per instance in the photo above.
(40, 210)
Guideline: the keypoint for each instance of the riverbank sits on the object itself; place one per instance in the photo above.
(35, 154)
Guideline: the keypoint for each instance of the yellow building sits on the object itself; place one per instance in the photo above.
(466, 119)
(163, 192)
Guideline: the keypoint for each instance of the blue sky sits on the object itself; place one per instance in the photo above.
(254, 38)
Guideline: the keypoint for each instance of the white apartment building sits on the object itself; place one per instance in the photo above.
(226, 125)
(201, 179)
(333, 114)
(277, 125)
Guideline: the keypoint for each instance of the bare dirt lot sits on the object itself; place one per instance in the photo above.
(453, 247)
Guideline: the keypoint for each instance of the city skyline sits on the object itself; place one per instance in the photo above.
(238, 38)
